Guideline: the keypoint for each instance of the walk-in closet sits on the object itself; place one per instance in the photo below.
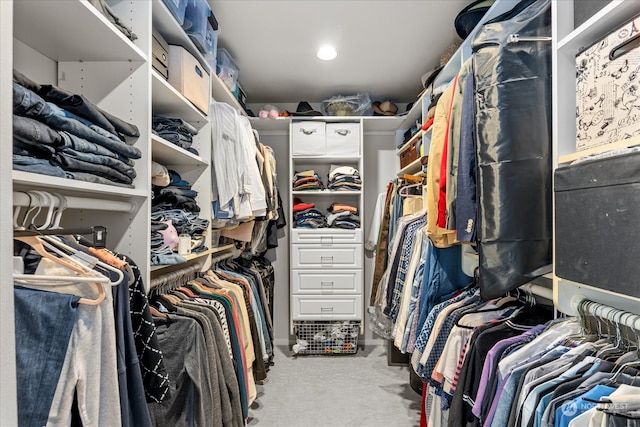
(427, 222)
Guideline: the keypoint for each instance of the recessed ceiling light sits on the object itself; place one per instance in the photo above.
(327, 53)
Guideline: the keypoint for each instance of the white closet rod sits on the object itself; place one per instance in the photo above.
(612, 314)
(539, 290)
(21, 199)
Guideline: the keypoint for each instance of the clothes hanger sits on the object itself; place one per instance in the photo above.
(53, 241)
(37, 245)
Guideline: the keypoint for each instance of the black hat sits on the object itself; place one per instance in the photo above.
(469, 17)
(305, 109)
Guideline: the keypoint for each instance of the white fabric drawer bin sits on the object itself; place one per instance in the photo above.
(343, 139)
(326, 307)
(308, 139)
(326, 237)
(312, 256)
(326, 282)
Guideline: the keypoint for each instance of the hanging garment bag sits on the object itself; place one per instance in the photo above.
(513, 129)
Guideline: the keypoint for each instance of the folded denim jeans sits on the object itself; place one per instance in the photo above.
(38, 150)
(73, 164)
(171, 190)
(78, 144)
(62, 112)
(160, 123)
(28, 103)
(99, 160)
(36, 165)
(81, 106)
(167, 259)
(89, 177)
(32, 132)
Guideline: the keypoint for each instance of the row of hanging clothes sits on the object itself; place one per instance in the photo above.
(86, 346)
(93, 348)
(501, 363)
(216, 332)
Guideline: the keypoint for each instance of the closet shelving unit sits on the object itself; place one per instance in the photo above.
(72, 45)
(567, 43)
(326, 263)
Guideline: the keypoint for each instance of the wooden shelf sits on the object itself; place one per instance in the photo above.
(192, 257)
(625, 143)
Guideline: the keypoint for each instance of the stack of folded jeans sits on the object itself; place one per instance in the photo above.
(305, 215)
(176, 131)
(175, 203)
(61, 134)
(344, 178)
(343, 216)
(307, 180)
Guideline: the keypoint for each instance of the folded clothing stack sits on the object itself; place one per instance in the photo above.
(344, 178)
(62, 134)
(173, 212)
(305, 215)
(176, 131)
(307, 180)
(343, 216)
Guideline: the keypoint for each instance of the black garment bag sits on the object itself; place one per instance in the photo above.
(512, 66)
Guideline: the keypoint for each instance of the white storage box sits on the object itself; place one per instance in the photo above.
(343, 139)
(606, 92)
(308, 138)
(189, 77)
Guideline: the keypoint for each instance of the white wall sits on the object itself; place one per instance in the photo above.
(380, 166)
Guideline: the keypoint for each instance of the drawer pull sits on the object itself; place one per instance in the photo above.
(326, 309)
(326, 240)
(326, 260)
(326, 284)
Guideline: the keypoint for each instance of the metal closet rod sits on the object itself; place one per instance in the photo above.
(22, 199)
(612, 314)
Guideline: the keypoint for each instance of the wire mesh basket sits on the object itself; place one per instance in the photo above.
(326, 337)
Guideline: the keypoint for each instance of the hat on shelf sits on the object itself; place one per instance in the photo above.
(386, 108)
(470, 16)
(305, 109)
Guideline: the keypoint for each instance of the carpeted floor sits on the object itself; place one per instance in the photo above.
(335, 391)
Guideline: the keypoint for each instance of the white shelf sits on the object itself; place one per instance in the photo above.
(221, 93)
(412, 168)
(600, 24)
(326, 193)
(167, 101)
(71, 186)
(325, 159)
(71, 31)
(166, 153)
(369, 123)
(172, 32)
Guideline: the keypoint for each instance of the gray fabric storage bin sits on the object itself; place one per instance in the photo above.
(597, 229)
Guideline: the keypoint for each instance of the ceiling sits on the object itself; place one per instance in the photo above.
(384, 47)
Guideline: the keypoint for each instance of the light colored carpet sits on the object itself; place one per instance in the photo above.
(335, 391)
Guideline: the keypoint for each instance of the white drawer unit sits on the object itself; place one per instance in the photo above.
(326, 237)
(314, 256)
(322, 282)
(326, 263)
(326, 308)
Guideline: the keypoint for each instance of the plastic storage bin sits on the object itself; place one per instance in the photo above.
(211, 47)
(198, 26)
(177, 8)
(227, 69)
